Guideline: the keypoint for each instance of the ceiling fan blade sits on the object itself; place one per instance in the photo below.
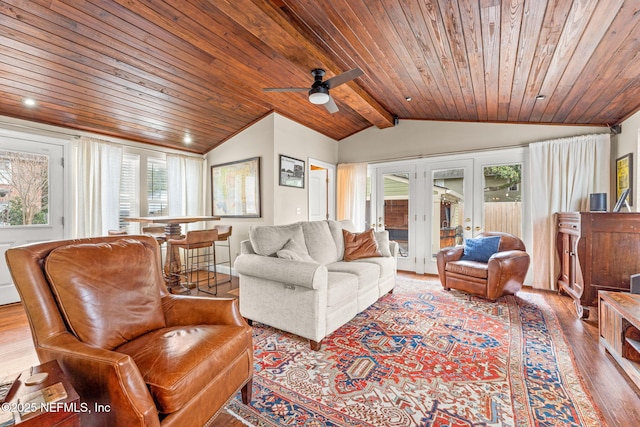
(343, 78)
(285, 89)
(331, 106)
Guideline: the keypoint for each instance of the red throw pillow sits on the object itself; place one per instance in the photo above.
(360, 245)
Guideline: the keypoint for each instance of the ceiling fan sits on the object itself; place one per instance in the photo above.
(319, 91)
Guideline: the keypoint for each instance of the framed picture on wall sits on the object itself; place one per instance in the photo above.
(291, 172)
(624, 177)
(235, 189)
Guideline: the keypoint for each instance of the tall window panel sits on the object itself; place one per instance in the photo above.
(129, 191)
(157, 186)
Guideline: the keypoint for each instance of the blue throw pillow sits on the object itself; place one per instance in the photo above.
(480, 249)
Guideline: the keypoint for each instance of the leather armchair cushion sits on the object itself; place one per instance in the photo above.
(468, 268)
(106, 304)
(179, 362)
(360, 245)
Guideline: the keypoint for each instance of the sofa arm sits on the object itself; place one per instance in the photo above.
(181, 310)
(102, 377)
(307, 274)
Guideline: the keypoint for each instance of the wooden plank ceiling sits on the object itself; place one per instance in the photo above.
(154, 71)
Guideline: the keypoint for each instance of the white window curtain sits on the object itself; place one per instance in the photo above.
(95, 172)
(185, 186)
(563, 174)
(351, 194)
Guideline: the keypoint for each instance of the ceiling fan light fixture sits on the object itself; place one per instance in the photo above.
(319, 95)
(319, 98)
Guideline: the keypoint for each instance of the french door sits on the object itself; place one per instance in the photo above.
(448, 195)
(429, 204)
(394, 189)
(31, 198)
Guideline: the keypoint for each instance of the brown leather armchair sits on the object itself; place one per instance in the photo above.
(100, 307)
(503, 274)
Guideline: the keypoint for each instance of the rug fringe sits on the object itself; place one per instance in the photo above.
(234, 415)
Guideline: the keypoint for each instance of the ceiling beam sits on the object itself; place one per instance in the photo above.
(290, 41)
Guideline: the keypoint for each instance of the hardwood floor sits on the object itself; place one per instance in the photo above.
(612, 392)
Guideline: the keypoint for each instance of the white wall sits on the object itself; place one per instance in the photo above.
(415, 138)
(294, 140)
(268, 138)
(254, 141)
(624, 143)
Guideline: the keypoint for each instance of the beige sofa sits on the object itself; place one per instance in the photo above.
(293, 277)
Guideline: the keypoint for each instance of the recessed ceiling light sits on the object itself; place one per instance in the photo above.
(29, 102)
(187, 139)
(540, 97)
(408, 98)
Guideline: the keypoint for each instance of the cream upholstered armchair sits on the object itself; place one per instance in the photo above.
(100, 307)
(492, 265)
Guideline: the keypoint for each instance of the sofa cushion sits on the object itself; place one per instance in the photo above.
(293, 251)
(176, 363)
(367, 273)
(319, 242)
(341, 287)
(468, 268)
(360, 245)
(386, 264)
(107, 304)
(269, 239)
(480, 249)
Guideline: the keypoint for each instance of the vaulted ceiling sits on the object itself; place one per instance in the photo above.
(155, 71)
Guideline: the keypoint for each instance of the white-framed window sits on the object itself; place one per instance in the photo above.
(143, 186)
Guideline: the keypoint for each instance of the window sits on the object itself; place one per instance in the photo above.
(24, 188)
(157, 187)
(129, 190)
(143, 187)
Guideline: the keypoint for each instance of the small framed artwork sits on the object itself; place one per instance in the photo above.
(624, 177)
(291, 172)
(235, 189)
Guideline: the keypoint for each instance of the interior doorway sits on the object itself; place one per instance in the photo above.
(322, 192)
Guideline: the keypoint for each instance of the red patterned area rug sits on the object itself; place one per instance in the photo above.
(423, 356)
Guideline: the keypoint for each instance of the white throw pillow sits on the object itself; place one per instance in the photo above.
(382, 238)
(293, 251)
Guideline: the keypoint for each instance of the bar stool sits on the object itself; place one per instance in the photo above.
(224, 235)
(198, 259)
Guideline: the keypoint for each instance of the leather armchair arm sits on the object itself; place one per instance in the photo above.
(452, 253)
(506, 272)
(190, 310)
(102, 377)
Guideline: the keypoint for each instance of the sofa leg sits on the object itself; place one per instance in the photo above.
(246, 391)
(391, 291)
(315, 345)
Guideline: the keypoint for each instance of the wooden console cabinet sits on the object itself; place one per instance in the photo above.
(619, 325)
(598, 251)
